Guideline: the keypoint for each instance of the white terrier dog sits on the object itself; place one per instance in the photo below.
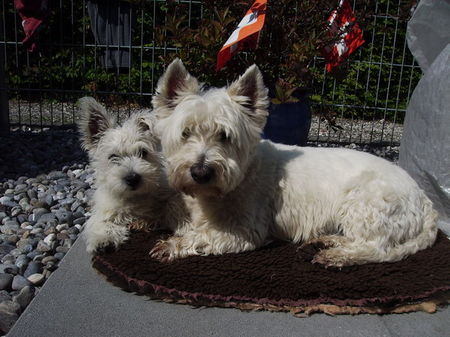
(131, 184)
(361, 207)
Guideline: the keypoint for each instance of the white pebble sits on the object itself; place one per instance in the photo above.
(36, 279)
(49, 238)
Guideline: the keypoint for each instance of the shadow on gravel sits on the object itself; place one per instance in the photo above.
(33, 153)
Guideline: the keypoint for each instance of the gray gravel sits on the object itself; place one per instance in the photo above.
(45, 186)
(378, 137)
(41, 218)
(350, 131)
(50, 114)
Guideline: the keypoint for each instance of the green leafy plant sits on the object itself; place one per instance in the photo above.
(293, 33)
(381, 74)
(283, 93)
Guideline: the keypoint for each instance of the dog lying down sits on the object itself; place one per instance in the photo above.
(247, 190)
(131, 184)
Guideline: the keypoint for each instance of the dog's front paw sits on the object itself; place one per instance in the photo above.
(141, 225)
(165, 250)
(105, 239)
(100, 250)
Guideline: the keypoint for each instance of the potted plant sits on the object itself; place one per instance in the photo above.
(294, 30)
(293, 33)
(289, 117)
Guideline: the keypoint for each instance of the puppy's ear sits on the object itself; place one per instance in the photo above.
(173, 86)
(95, 120)
(249, 91)
(144, 124)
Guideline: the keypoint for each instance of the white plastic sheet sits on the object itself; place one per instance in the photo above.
(429, 31)
(425, 146)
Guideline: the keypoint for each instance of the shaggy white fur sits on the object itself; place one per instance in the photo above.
(131, 184)
(363, 208)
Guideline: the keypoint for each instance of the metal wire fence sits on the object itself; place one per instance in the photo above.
(366, 105)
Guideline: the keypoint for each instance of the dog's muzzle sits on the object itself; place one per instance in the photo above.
(132, 180)
(201, 173)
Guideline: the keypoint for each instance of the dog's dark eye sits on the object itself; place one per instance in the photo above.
(224, 137)
(142, 153)
(186, 134)
(113, 157)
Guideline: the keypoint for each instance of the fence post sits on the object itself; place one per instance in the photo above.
(4, 105)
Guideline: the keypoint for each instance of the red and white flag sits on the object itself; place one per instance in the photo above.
(342, 23)
(246, 34)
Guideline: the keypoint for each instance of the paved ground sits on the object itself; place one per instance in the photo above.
(76, 301)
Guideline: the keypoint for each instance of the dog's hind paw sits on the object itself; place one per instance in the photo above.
(329, 258)
(327, 241)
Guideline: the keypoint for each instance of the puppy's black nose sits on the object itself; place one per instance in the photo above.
(201, 173)
(132, 180)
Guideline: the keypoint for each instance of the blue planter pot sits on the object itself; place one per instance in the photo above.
(289, 123)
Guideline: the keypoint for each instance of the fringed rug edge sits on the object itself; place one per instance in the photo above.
(429, 305)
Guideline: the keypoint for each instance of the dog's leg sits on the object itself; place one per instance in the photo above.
(100, 234)
(327, 241)
(383, 222)
(203, 242)
(363, 251)
(349, 252)
(328, 254)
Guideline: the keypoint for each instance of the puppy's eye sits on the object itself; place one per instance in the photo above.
(186, 134)
(113, 157)
(142, 153)
(224, 137)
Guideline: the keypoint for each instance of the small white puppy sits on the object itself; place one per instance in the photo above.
(131, 184)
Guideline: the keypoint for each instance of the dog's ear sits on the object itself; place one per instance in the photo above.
(144, 124)
(173, 86)
(249, 91)
(95, 120)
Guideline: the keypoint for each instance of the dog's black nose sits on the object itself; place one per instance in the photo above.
(132, 180)
(201, 173)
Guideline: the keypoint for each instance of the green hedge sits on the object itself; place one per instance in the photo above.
(375, 83)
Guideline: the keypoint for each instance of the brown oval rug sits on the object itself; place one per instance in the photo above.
(280, 277)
